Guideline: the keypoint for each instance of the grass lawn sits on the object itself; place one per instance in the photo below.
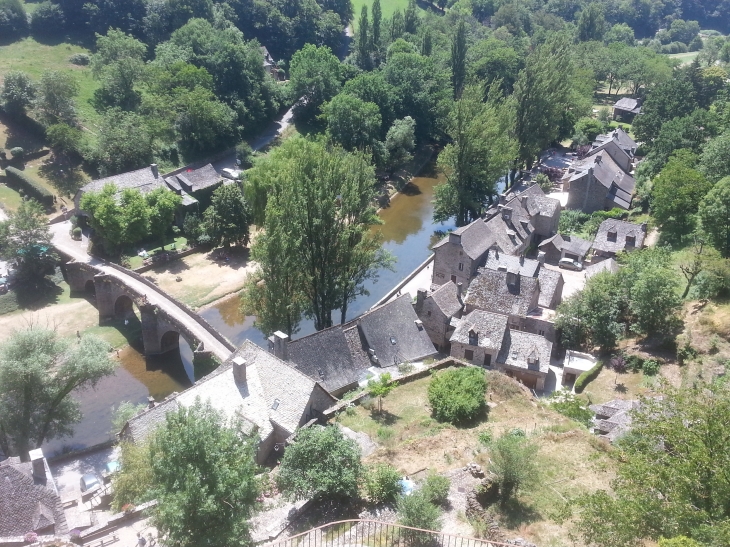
(572, 460)
(685, 58)
(177, 243)
(388, 7)
(9, 198)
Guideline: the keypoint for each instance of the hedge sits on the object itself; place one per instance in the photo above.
(587, 377)
(29, 186)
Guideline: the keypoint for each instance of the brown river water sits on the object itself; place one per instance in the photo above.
(408, 233)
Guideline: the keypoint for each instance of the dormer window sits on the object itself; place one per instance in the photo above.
(393, 340)
(473, 338)
(631, 241)
(533, 359)
(612, 234)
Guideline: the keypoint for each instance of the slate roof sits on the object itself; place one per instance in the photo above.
(325, 357)
(144, 423)
(28, 504)
(391, 331)
(446, 298)
(539, 201)
(490, 327)
(490, 291)
(357, 346)
(549, 283)
(618, 417)
(145, 180)
(268, 380)
(608, 265)
(520, 346)
(475, 239)
(571, 244)
(619, 185)
(526, 266)
(628, 104)
(622, 229)
(620, 137)
(194, 180)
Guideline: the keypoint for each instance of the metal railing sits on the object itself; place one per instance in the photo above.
(371, 533)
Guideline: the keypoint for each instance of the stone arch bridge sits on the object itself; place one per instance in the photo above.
(163, 318)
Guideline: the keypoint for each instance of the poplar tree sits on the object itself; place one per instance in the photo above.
(458, 60)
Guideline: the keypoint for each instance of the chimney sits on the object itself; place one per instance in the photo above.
(281, 345)
(643, 227)
(38, 461)
(459, 289)
(507, 213)
(150, 402)
(239, 369)
(155, 172)
(541, 257)
(513, 276)
(419, 324)
(598, 158)
(522, 259)
(503, 198)
(420, 298)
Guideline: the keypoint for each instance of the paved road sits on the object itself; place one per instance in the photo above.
(77, 250)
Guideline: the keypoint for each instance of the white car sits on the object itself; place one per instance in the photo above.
(233, 174)
(570, 264)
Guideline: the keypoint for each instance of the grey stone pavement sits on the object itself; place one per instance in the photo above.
(77, 250)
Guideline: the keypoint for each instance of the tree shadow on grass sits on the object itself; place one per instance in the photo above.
(66, 178)
(34, 296)
(515, 513)
(476, 421)
(383, 417)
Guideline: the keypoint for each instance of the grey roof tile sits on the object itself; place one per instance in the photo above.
(622, 230)
(526, 266)
(526, 350)
(325, 357)
(489, 327)
(475, 239)
(490, 291)
(549, 284)
(446, 298)
(391, 331)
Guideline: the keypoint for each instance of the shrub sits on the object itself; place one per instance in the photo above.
(570, 407)
(587, 377)
(29, 186)
(382, 483)
(485, 437)
(417, 511)
(553, 173)
(17, 152)
(679, 541)
(634, 363)
(436, 488)
(513, 462)
(458, 395)
(81, 59)
(544, 182)
(47, 20)
(572, 221)
(650, 367)
(76, 233)
(618, 364)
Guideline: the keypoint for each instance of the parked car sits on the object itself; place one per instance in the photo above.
(233, 174)
(89, 481)
(570, 264)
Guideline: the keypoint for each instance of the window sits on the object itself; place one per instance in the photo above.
(461, 266)
(487, 360)
(473, 338)
(541, 332)
(429, 313)
(453, 278)
(468, 354)
(630, 241)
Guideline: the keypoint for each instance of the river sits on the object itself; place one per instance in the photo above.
(408, 232)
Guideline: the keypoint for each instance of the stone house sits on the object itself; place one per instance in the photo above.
(506, 292)
(269, 396)
(459, 254)
(29, 500)
(607, 265)
(613, 419)
(560, 246)
(479, 337)
(551, 288)
(626, 109)
(598, 183)
(323, 356)
(526, 357)
(615, 236)
(436, 309)
(621, 138)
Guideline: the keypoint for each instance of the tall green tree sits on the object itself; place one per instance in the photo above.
(479, 153)
(672, 474)
(118, 64)
(543, 94)
(315, 77)
(513, 460)
(18, 92)
(715, 158)
(411, 21)
(228, 218)
(162, 204)
(714, 212)
(591, 23)
(458, 59)
(119, 218)
(676, 193)
(364, 44)
(324, 195)
(124, 143)
(399, 143)
(377, 22)
(352, 123)
(38, 372)
(56, 97)
(204, 479)
(26, 240)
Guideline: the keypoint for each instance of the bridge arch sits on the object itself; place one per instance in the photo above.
(170, 341)
(89, 287)
(123, 307)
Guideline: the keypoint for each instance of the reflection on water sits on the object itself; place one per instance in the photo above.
(134, 380)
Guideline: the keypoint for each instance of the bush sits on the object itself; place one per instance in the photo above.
(572, 221)
(436, 488)
(245, 155)
(679, 541)
(458, 395)
(587, 377)
(696, 44)
(650, 367)
(382, 483)
(76, 233)
(514, 464)
(634, 363)
(543, 181)
(13, 19)
(570, 407)
(17, 152)
(417, 511)
(485, 438)
(81, 59)
(29, 186)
